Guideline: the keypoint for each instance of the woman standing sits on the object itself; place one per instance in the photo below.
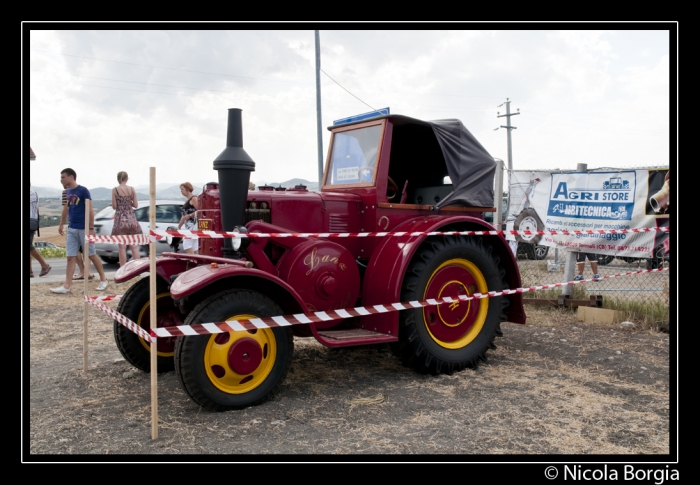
(124, 201)
(189, 217)
(33, 227)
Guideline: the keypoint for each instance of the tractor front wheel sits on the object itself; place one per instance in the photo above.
(450, 336)
(136, 306)
(233, 370)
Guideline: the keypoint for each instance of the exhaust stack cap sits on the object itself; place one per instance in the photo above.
(234, 156)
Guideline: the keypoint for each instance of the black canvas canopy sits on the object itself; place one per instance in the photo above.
(470, 166)
(423, 152)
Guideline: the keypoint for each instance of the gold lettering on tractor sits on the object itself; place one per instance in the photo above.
(327, 258)
(313, 260)
(454, 305)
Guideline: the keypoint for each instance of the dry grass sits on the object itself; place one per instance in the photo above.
(50, 234)
(554, 386)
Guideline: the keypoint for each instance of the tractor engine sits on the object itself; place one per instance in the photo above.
(324, 274)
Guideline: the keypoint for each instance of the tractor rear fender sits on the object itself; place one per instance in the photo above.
(197, 284)
(386, 269)
(165, 268)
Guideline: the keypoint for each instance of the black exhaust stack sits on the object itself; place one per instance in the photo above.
(234, 166)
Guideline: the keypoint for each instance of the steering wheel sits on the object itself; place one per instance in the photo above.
(392, 189)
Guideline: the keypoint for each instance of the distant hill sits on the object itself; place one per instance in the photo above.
(104, 193)
(292, 183)
(163, 191)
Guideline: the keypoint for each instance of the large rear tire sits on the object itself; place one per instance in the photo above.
(451, 336)
(233, 370)
(136, 306)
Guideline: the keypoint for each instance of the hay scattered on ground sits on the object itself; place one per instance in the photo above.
(554, 386)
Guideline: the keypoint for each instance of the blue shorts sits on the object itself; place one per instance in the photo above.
(74, 242)
(581, 257)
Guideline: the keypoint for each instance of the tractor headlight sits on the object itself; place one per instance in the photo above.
(240, 243)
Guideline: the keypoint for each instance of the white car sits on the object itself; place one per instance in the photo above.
(168, 213)
(46, 245)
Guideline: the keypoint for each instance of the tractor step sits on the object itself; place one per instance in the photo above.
(352, 333)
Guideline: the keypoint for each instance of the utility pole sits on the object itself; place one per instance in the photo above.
(318, 110)
(509, 128)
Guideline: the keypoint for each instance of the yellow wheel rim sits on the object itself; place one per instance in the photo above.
(145, 316)
(455, 325)
(238, 362)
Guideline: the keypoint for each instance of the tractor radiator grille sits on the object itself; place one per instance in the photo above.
(338, 222)
(257, 215)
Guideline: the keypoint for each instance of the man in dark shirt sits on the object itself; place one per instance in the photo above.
(79, 259)
(75, 208)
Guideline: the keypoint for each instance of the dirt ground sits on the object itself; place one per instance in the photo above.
(552, 387)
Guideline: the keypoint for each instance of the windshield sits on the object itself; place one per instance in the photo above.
(353, 159)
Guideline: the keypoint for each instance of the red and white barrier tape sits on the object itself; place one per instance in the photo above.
(329, 315)
(128, 239)
(160, 234)
(94, 301)
(106, 297)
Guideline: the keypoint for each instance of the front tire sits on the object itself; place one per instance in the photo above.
(136, 306)
(658, 260)
(541, 252)
(450, 337)
(233, 370)
(528, 220)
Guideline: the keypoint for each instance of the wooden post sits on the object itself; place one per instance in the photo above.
(86, 271)
(153, 308)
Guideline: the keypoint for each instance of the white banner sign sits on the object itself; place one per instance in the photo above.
(543, 201)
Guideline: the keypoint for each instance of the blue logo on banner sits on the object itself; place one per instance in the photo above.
(613, 201)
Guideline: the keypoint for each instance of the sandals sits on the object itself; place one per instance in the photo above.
(44, 271)
(75, 277)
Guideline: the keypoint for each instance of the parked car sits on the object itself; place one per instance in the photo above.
(168, 213)
(604, 259)
(660, 256)
(526, 250)
(46, 244)
(532, 251)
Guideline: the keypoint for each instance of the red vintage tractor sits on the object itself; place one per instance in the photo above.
(391, 173)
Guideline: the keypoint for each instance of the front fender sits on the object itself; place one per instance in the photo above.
(210, 279)
(165, 268)
(386, 269)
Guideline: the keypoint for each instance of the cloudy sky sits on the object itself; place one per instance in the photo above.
(101, 101)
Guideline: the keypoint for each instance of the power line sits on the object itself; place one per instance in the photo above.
(168, 68)
(324, 72)
(133, 90)
(594, 126)
(132, 82)
(184, 70)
